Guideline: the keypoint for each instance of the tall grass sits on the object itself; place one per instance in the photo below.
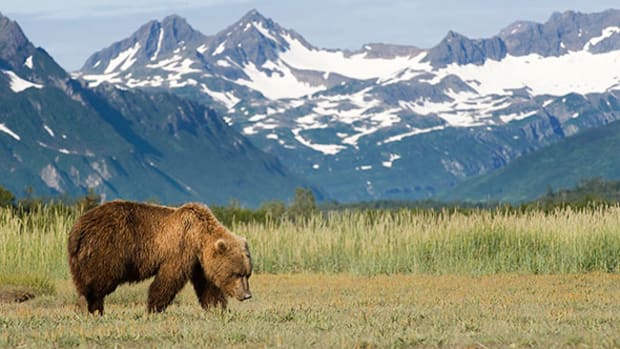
(34, 242)
(479, 242)
(370, 242)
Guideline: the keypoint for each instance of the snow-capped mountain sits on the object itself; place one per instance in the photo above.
(59, 138)
(22, 64)
(385, 121)
(168, 48)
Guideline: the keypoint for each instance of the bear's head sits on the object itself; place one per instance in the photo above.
(224, 257)
(228, 264)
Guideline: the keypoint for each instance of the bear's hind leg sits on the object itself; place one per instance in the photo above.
(168, 282)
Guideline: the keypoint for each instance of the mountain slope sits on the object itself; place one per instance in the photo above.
(387, 121)
(59, 137)
(591, 153)
(22, 62)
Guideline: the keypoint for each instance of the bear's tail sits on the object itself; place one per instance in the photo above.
(76, 238)
(77, 245)
(75, 241)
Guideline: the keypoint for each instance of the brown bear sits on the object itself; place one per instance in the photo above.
(123, 241)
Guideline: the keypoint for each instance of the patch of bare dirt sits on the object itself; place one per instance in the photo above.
(15, 296)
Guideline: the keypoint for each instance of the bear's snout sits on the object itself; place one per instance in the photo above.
(244, 295)
(242, 289)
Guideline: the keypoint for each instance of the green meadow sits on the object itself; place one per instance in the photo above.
(398, 278)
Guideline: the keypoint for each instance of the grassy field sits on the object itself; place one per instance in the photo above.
(314, 310)
(365, 279)
(371, 243)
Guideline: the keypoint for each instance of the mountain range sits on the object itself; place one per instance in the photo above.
(60, 137)
(385, 121)
(258, 101)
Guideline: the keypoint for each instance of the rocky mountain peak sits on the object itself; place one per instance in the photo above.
(388, 51)
(177, 28)
(25, 64)
(252, 23)
(14, 46)
(151, 42)
(253, 16)
(564, 32)
(457, 48)
(254, 38)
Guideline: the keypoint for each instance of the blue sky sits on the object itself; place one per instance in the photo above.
(71, 30)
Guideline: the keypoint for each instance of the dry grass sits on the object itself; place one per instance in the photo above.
(350, 280)
(314, 310)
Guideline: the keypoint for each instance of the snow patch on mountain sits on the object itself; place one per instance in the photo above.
(268, 124)
(405, 74)
(517, 116)
(357, 66)
(177, 67)
(202, 49)
(580, 72)
(358, 106)
(375, 122)
(175, 64)
(152, 81)
(264, 31)
(124, 59)
(95, 80)
(159, 41)
(390, 161)
(5, 129)
(327, 149)
(17, 84)
(276, 81)
(606, 34)
(413, 132)
(49, 130)
(219, 49)
(28, 63)
(223, 63)
(464, 109)
(257, 117)
(228, 98)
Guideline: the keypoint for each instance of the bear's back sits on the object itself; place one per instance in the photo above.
(118, 220)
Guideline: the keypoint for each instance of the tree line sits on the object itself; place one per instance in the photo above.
(303, 206)
(589, 193)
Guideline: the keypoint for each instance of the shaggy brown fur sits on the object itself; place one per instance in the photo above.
(123, 241)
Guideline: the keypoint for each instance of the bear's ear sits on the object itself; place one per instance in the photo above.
(220, 246)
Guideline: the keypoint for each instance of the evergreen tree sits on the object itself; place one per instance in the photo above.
(304, 203)
(6, 197)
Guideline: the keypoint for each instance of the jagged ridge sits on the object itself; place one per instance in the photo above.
(60, 138)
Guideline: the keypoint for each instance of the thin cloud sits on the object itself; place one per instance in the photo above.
(70, 9)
